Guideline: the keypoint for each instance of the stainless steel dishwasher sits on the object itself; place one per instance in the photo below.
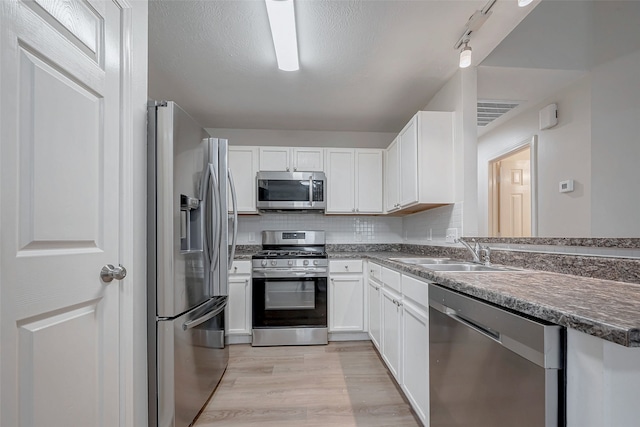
(489, 367)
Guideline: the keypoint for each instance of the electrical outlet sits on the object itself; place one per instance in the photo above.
(452, 235)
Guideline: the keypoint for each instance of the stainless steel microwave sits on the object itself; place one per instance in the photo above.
(291, 191)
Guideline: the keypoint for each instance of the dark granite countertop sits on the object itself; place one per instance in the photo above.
(603, 308)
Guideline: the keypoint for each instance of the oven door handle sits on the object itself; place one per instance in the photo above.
(311, 190)
(270, 274)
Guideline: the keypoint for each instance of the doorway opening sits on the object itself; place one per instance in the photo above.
(512, 192)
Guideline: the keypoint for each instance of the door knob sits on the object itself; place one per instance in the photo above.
(109, 272)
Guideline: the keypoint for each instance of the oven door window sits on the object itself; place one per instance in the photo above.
(289, 302)
(290, 295)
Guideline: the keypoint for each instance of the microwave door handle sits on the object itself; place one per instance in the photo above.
(234, 202)
(311, 190)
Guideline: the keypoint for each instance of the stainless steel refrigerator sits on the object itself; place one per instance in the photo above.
(188, 260)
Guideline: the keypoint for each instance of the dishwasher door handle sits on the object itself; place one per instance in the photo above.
(489, 333)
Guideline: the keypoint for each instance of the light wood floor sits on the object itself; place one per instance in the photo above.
(341, 384)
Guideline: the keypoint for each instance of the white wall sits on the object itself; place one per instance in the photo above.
(615, 126)
(595, 143)
(304, 138)
(564, 152)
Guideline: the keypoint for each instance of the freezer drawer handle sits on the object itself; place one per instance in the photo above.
(195, 322)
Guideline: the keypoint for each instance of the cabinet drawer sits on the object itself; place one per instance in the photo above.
(375, 271)
(240, 267)
(345, 266)
(415, 289)
(391, 279)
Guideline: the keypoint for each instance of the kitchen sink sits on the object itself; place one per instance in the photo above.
(423, 260)
(462, 267)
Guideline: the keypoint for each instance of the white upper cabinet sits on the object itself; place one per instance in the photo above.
(308, 159)
(391, 170)
(290, 159)
(419, 164)
(340, 180)
(368, 164)
(243, 162)
(354, 178)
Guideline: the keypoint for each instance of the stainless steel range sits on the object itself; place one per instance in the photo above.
(289, 282)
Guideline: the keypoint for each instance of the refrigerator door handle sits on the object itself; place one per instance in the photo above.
(211, 242)
(234, 202)
(218, 220)
(195, 322)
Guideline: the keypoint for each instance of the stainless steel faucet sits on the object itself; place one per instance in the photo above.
(481, 254)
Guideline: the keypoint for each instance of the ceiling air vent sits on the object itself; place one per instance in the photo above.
(489, 110)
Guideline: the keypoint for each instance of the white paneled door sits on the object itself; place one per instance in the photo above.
(62, 85)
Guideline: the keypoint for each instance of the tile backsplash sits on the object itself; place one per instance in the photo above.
(339, 229)
(430, 227)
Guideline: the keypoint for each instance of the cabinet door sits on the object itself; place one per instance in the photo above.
(340, 181)
(415, 358)
(368, 191)
(243, 162)
(408, 152)
(391, 313)
(275, 158)
(346, 304)
(308, 159)
(239, 306)
(391, 177)
(374, 313)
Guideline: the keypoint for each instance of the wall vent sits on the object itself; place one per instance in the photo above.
(489, 110)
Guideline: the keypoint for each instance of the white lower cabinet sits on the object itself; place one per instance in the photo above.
(238, 319)
(374, 299)
(400, 304)
(415, 357)
(346, 296)
(391, 313)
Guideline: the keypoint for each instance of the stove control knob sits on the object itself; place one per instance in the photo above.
(315, 262)
(274, 262)
(290, 262)
(305, 262)
(264, 263)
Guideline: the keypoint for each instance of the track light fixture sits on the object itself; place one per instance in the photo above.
(474, 23)
(465, 55)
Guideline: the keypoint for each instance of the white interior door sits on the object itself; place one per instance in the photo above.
(61, 106)
(515, 197)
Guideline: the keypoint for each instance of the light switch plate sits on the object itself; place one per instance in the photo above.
(452, 235)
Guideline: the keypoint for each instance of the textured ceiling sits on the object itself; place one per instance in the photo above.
(366, 65)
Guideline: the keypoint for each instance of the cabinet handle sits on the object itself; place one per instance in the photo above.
(346, 267)
(287, 168)
(295, 169)
(246, 282)
(235, 269)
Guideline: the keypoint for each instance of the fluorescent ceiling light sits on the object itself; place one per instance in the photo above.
(523, 3)
(283, 31)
